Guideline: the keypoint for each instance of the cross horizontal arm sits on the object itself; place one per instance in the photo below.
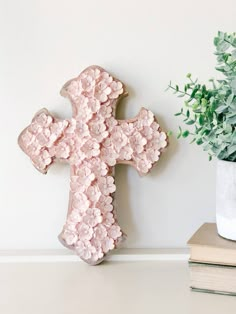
(47, 139)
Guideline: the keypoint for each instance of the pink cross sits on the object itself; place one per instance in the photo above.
(93, 142)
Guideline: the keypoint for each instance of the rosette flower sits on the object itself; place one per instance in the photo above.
(92, 217)
(137, 142)
(85, 250)
(106, 185)
(116, 89)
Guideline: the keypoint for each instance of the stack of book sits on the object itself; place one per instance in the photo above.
(212, 261)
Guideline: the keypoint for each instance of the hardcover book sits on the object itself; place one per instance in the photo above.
(206, 246)
(213, 278)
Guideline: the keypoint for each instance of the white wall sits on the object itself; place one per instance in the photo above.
(144, 44)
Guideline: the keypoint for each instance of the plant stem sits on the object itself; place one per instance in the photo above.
(179, 91)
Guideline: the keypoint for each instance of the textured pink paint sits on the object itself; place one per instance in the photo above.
(93, 142)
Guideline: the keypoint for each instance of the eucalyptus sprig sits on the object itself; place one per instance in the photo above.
(211, 110)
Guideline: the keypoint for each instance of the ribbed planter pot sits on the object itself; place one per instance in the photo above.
(226, 199)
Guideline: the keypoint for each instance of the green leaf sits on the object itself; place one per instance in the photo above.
(204, 102)
(199, 141)
(231, 119)
(197, 111)
(201, 120)
(231, 149)
(216, 41)
(233, 54)
(190, 122)
(229, 99)
(222, 46)
(180, 132)
(186, 103)
(196, 88)
(193, 140)
(185, 134)
(233, 85)
(221, 109)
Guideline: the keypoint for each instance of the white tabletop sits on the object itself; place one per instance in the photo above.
(113, 287)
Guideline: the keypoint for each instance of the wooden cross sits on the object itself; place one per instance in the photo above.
(93, 142)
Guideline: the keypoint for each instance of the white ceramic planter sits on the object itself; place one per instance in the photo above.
(226, 199)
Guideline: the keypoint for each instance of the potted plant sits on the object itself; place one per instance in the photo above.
(210, 112)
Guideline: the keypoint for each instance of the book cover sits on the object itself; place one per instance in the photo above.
(207, 246)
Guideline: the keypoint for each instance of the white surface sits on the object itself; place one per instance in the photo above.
(141, 287)
(226, 199)
(122, 255)
(143, 43)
